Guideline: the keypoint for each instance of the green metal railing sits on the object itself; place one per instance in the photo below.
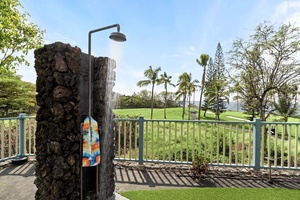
(236, 144)
(17, 136)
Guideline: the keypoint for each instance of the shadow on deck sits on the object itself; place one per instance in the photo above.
(218, 177)
(14, 179)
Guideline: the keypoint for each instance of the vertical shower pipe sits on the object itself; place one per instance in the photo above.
(114, 36)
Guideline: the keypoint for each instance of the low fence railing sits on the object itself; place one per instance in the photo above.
(17, 136)
(237, 144)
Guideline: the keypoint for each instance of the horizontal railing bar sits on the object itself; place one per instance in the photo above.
(280, 123)
(11, 118)
(124, 119)
(8, 158)
(208, 121)
(183, 121)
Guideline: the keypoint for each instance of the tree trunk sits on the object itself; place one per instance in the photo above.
(152, 101)
(199, 113)
(165, 114)
(262, 116)
(217, 111)
(183, 109)
(202, 89)
(189, 116)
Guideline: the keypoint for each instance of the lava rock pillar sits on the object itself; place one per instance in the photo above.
(103, 82)
(58, 122)
(62, 97)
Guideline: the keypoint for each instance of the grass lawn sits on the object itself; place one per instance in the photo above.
(176, 113)
(213, 193)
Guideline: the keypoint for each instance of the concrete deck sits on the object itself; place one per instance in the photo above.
(16, 182)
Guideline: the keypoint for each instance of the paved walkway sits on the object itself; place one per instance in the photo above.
(16, 182)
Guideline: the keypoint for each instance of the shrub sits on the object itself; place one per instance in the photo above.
(200, 167)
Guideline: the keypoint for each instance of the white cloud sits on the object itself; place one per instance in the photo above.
(294, 19)
(190, 50)
(287, 11)
(282, 9)
(184, 51)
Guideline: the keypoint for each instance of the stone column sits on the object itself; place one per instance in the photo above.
(58, 122)
(62, 80)
(103, 82)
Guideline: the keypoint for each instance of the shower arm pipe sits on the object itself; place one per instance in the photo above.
(90, 62)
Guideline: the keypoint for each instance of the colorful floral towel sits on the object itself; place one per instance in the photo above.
(91, 143)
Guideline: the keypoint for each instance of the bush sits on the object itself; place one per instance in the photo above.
(200, 167)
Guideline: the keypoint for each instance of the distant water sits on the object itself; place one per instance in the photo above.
(234, 107)
(231, 106)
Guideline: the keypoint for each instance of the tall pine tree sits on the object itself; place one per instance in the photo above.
(216, 91)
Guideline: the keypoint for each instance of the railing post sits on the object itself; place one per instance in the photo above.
(141, 140)
(22, 135)
(256, 144)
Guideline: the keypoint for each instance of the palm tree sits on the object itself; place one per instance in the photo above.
(182, 90)
(202, 62)
(191, 87)
(152, 76)
(166, 80)
(185, 88)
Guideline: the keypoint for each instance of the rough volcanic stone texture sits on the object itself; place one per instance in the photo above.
(62, 91)
(58, 123)
(103, 83)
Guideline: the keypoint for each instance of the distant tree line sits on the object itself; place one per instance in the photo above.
(142, 99)
(16, 96)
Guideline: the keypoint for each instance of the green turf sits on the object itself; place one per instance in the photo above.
(214, 193)
(176, 113)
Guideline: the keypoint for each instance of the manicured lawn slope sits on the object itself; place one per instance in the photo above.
(214, 193)
(176, 113)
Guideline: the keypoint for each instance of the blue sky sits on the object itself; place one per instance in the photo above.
(166, 33)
